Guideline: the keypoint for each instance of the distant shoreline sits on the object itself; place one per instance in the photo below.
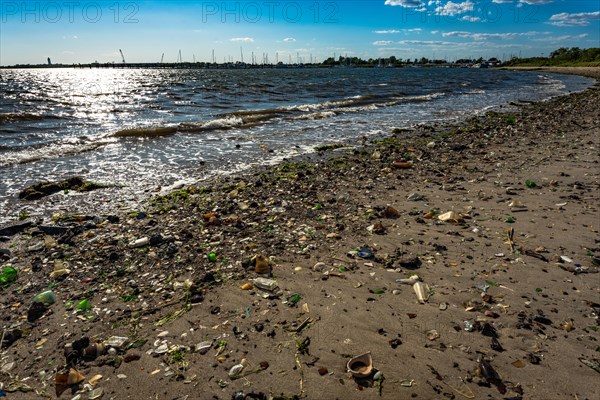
(591, 72)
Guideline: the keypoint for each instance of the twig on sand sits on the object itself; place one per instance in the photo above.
(510, 234)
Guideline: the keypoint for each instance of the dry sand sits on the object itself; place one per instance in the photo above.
(301, 214)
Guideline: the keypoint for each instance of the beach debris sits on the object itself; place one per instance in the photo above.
(8, 275)
(568, 326)
(593, 364)
(365, 253)
(262, 264)
(416, 197)
(266, 284)
(96, 394)
(13, 229)
(530, 184)
(451, 216)
(432, 334)
(486, 372)
(517, 205)
(141, 242)
(510, 234)
(400, 164)
(45, 188)
(409, 281)
(60, 270)
(412, 264)
(469, 325)
(361, 366)
(390, 212)
(65, 380)
(422, 291)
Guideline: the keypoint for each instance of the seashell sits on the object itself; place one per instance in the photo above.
(361, 366)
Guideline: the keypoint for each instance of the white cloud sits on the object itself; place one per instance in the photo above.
(470, 19)
(524, 1)
(561, 38)
(390, 31)
(451, 8)
(405, 3)
(427, 42)
(242, 39)
(382, 42)
(486, 36)
(289, 40)
(577, 19)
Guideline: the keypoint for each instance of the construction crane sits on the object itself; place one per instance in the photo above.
(122, 56)
(162, 58)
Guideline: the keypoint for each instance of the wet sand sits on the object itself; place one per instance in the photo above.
(508, 315)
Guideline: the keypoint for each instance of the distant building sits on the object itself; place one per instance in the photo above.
(49, 61)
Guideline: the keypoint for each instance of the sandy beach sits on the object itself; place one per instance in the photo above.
(496, 216)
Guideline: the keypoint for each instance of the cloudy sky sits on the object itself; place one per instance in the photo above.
(85, 31)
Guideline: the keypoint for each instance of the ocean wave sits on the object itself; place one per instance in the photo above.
(315, 115)
(145, 132)
(14, 117)
(55, 150)
(227, 122)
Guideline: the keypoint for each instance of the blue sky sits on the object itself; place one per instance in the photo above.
(86, 31)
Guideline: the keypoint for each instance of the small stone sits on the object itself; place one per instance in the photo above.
(130, 357)
(162, 349)
(323, 371)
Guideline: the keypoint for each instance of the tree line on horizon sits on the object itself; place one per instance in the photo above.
(562, 57)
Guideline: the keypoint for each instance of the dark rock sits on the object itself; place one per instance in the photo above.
(155, 240)
(131, 356)
(5, 254)
(489, 331)
(53, 230)
(542, 320)
(10, 337)
(42, 189)
(496, 346)
(14, 229)
(413, 263)
(36, 311)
